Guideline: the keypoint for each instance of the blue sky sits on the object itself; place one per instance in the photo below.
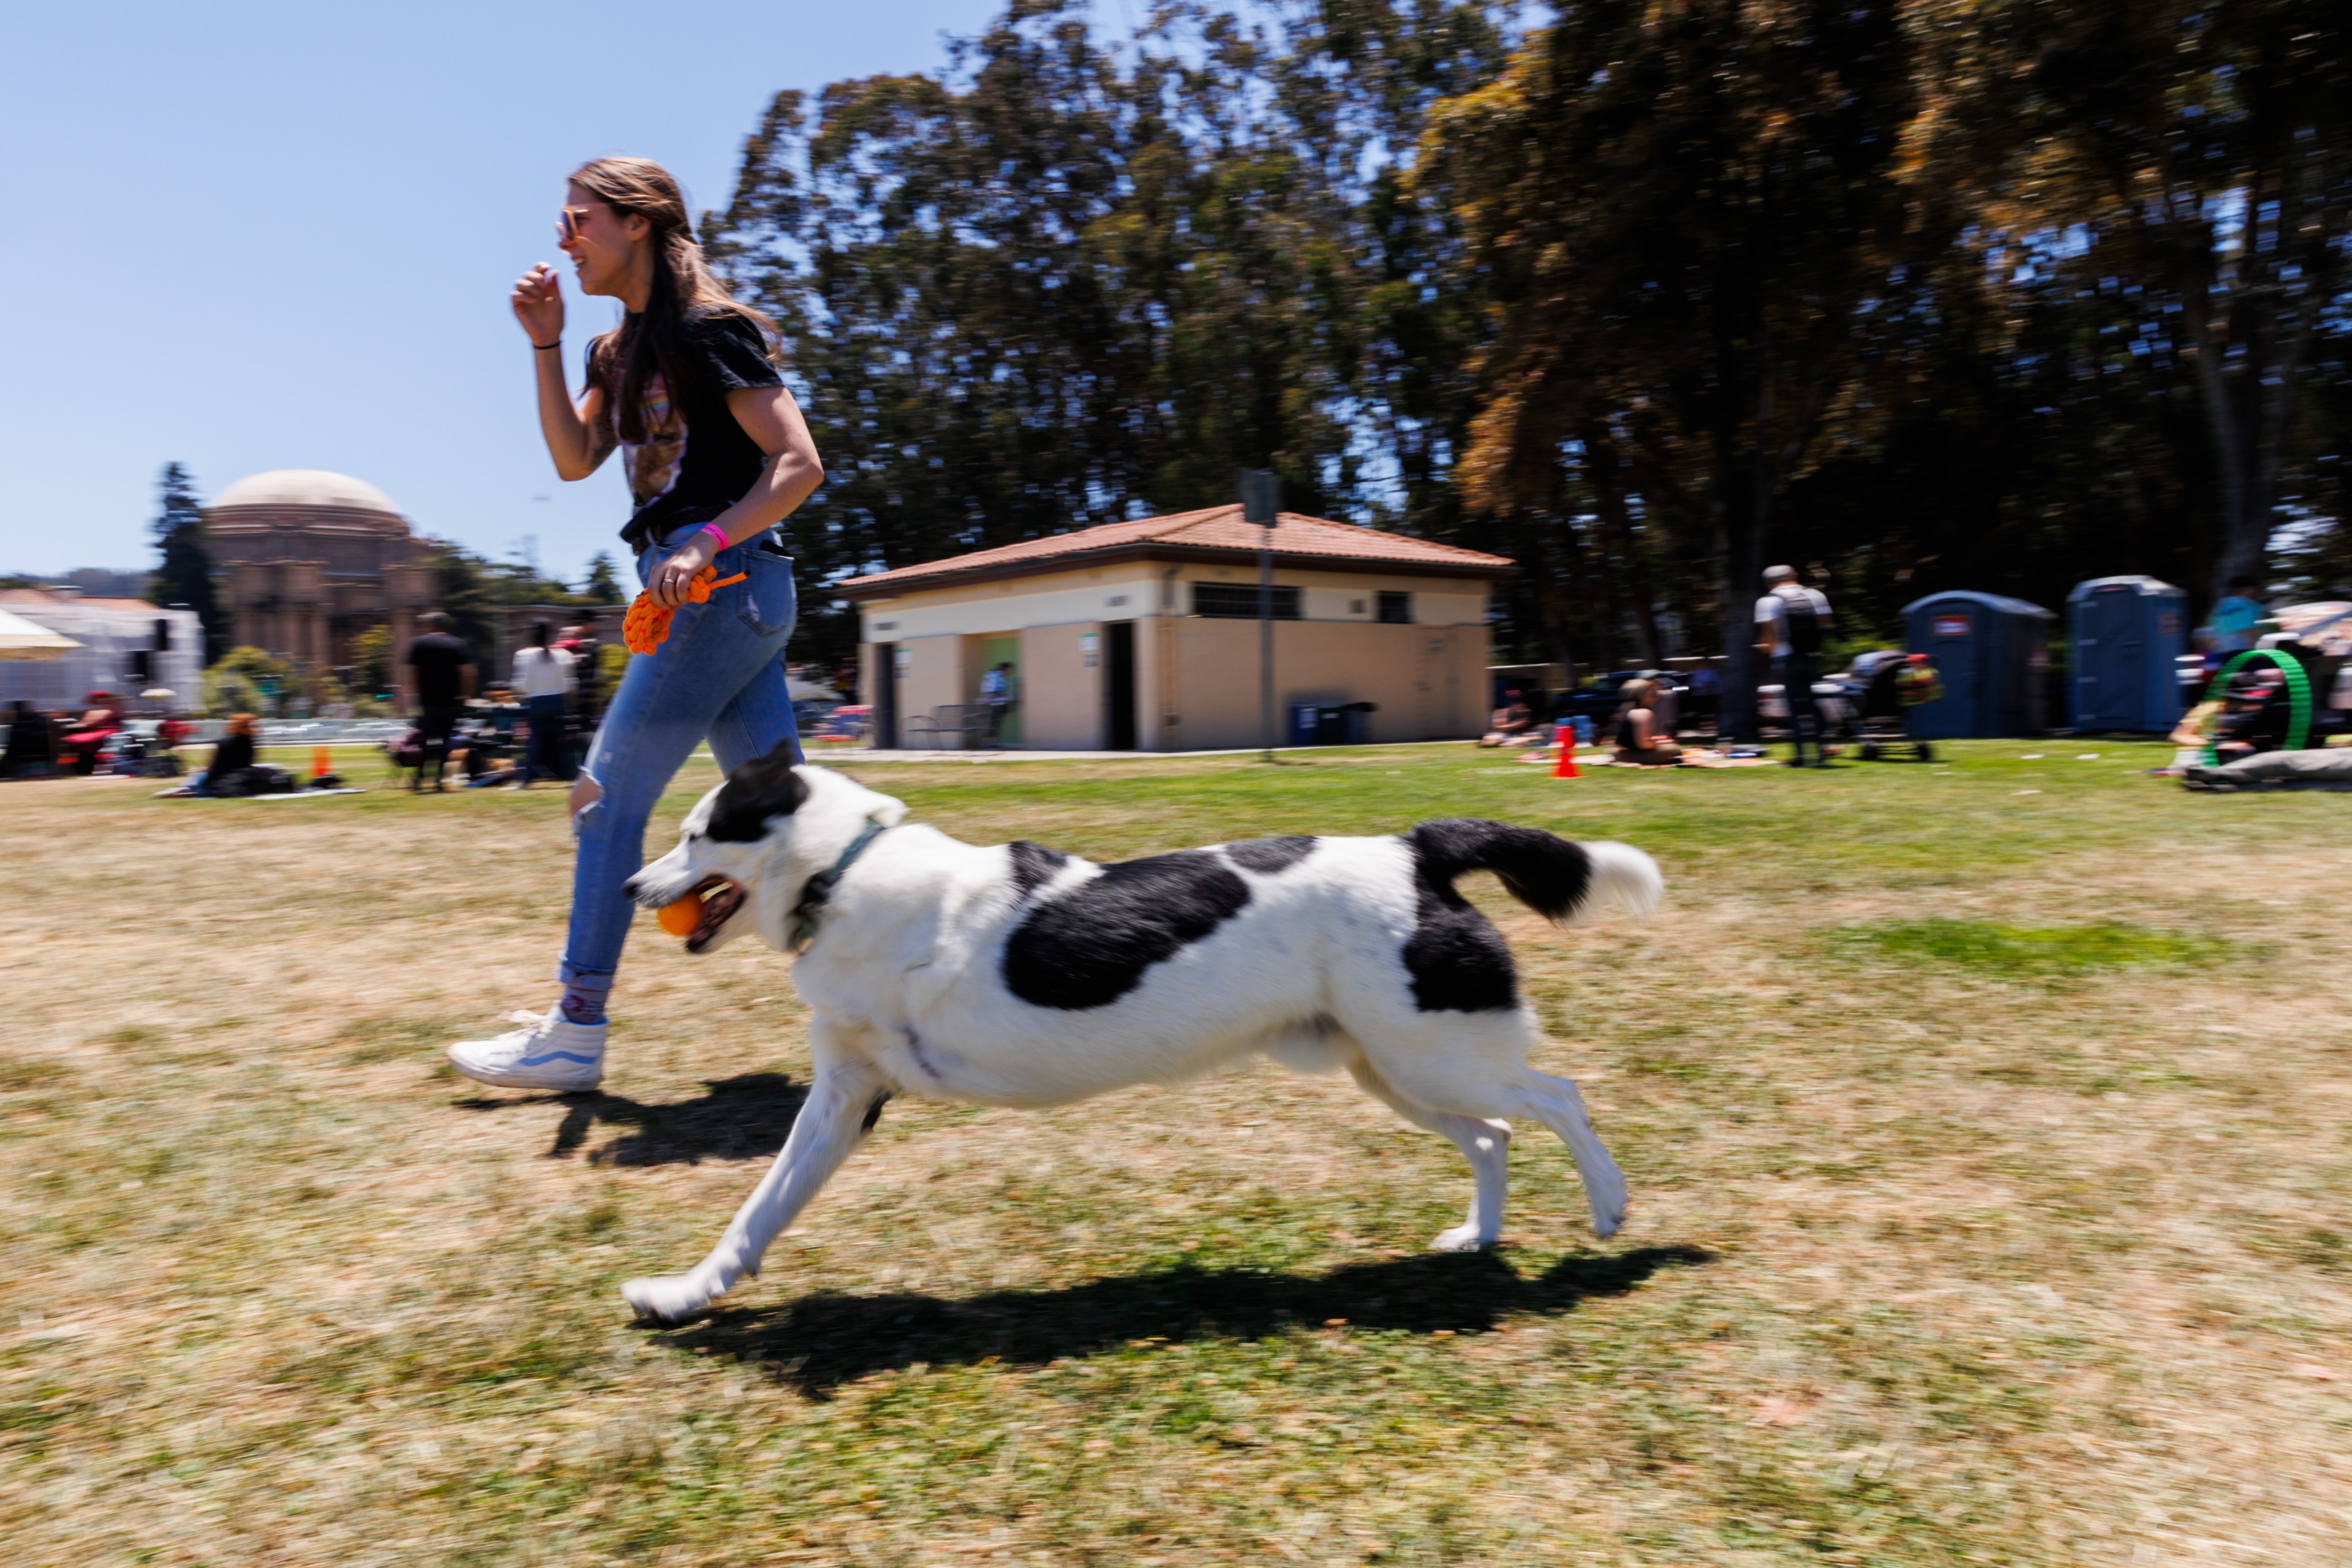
(252, 236)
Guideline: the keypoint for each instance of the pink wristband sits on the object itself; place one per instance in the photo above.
(715, 532)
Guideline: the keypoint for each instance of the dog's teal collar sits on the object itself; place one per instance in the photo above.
(820, 889)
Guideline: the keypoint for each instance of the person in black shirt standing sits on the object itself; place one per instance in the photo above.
(687, 388)
(445, 679)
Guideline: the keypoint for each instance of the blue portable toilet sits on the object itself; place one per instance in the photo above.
(1993, 654)
(2128, 635)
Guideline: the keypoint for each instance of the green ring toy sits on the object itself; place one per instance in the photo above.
(2298, 692)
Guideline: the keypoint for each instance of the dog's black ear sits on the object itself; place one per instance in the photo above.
(761, 788)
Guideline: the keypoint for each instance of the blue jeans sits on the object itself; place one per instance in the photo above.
(551, 750)
(721, 674)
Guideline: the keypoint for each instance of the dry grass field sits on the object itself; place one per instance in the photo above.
(1987, 1127)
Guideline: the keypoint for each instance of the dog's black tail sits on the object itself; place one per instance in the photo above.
(1557, 879)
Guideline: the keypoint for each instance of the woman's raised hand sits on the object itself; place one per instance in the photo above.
(538, 300)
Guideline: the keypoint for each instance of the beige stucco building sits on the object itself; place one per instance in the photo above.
(308, 560)
(1144, 636)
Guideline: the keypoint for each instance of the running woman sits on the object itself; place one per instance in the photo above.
(717, 454)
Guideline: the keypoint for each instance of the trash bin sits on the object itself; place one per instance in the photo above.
(1329, 724)
(1993, 654)
(2128, 635)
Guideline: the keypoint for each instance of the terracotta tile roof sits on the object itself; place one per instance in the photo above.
(43, 597)
(1211, 529)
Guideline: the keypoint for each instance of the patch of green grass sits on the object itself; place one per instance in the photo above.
(29, 1072)
(367, 1040)
(1992, 947)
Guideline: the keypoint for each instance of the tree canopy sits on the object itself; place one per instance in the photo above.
(1997, 295)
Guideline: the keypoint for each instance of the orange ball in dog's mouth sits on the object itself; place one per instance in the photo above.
(680, 917)
(697, 917)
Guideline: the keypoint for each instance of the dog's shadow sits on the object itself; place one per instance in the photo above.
(822, 1341)
(743, 1117)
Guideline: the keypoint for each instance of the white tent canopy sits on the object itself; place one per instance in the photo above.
(21, 639)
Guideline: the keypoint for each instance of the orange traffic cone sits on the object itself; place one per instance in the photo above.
(1565, 768)
(320, 766)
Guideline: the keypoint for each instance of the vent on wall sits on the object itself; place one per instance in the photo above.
(885, 626)
(1231, 601)
(1117, 600)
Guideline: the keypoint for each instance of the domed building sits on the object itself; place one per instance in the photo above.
(308, 560)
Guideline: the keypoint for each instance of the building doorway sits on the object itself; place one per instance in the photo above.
(885, 716)
(1118, 686)
(1005, 651)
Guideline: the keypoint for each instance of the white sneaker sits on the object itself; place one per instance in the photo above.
(547, 1052)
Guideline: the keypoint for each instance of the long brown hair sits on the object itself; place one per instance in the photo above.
(623, 360)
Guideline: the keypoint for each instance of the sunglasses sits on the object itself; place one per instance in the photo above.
(568, 222)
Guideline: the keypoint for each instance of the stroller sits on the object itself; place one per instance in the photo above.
(1898, 683)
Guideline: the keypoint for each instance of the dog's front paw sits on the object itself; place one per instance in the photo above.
(668, 1298)
(1461, 1239)
(1608, 1211)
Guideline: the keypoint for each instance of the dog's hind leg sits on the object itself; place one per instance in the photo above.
(1486, 1144)
(1555, 1102)
(842, 1107)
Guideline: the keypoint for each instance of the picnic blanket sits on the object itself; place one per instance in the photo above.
(2330, 769)
(183, 793)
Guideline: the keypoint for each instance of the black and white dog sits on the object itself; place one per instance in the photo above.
(1018, 975)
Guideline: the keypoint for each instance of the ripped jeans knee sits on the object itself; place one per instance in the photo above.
(586, 793)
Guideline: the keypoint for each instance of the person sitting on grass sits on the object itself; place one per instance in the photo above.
(89, 737)
(1642, 741)
(232, 763)
(1513, 723)
(486, 772)
(2255, 712)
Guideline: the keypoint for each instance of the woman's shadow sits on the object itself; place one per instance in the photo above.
(822, 1340)
(743, 1118)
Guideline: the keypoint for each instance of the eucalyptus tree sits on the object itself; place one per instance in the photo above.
(1681, 212)
(2201, 154)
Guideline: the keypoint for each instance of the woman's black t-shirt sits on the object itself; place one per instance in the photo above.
(695, 461)
(231, 754)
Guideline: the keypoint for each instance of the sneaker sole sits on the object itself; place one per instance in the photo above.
(498, 1080)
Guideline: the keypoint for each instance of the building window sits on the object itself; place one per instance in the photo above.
(1233, 602)
(1396, 609)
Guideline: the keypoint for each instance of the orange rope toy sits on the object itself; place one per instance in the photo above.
(646, 624)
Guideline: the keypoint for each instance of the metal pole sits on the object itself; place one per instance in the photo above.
(1261, 504)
